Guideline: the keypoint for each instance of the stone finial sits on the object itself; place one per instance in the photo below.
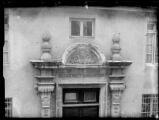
(116, 48)
(46, 48)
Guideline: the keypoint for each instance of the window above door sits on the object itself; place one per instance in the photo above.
(80, 96)
(82, 27)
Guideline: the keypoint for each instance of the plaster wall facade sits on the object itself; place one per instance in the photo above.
(26, 27)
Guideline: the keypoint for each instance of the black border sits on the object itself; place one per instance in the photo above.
(55, 3)
(104, 3)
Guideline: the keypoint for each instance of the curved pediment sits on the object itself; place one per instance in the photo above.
(83, 54)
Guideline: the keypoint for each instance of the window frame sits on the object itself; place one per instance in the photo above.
(8, 107)
(153, 33)
(6, 39)
(148, 102)
(82, 20)
(80, 96)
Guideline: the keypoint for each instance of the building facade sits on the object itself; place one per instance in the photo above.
(84, 62)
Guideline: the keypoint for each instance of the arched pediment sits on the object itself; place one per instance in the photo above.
(83, 54)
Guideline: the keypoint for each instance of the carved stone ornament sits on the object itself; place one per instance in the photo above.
(45, 100)
(116, 96)
(82, 55)
(45, 112)
(117, 87)
(46, 88)
(46, 48)
(116, 48)
(45, 104)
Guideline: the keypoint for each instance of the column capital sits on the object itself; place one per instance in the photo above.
(45, 88)
(117, 87)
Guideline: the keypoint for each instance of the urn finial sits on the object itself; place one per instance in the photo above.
(116, 47)
(46, 48)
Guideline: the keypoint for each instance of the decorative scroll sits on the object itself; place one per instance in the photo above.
(83, 55)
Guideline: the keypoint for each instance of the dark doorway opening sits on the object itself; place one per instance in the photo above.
(81, 102)
(80, 111)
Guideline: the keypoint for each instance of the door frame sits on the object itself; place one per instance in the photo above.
(103, 92)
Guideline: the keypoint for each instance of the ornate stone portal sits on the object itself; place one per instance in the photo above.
(79, 57)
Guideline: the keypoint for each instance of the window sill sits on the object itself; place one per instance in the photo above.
(81, 37)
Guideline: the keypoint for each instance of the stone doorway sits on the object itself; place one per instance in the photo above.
(83, 100)
(78, 71)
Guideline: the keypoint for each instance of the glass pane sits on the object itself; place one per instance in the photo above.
(87, 28)
(149, 49)
(147, 107)
(75, 28)
(150, 26)
(150, 38)
(155, 104)
(90, 96)
(149, 58)
(70, 97)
